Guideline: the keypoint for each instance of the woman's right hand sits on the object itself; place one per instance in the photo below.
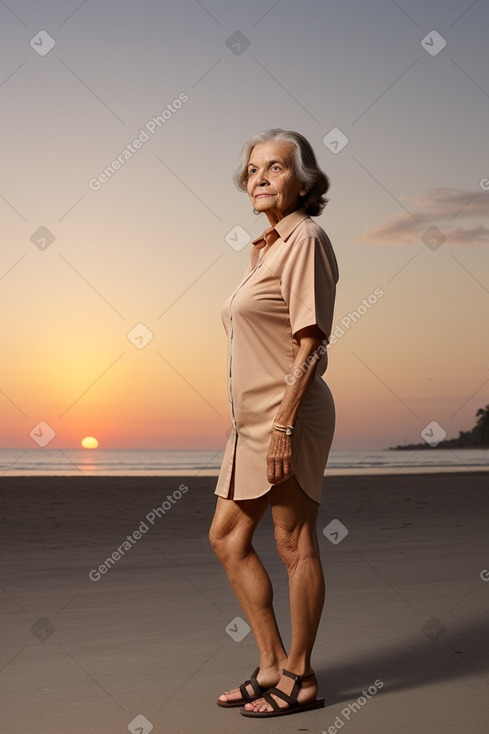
(279, 457)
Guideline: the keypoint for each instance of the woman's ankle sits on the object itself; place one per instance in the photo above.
(273, 662)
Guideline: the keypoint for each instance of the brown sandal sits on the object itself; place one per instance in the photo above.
(293, 706)
(245, 696)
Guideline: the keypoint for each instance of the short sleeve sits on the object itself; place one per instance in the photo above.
(308, 284)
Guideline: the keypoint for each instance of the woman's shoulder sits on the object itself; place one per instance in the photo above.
(308, 234)
(309, 227)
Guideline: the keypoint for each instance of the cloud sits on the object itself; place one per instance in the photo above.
(441, 205)
(475, 236)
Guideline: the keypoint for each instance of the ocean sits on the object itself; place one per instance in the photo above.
(135, 462)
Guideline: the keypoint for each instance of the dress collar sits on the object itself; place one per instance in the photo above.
(283, 229)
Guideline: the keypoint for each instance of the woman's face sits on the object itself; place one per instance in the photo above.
(272, 184)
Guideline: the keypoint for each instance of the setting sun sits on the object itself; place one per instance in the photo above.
(89, 442)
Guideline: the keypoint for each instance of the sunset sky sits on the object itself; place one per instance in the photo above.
(85, 260)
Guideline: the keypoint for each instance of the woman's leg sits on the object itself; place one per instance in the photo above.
(231, 535)
(295, 516)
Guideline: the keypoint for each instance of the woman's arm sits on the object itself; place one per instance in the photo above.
(279, 456)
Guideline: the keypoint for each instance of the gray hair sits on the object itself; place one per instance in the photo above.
(305, 166)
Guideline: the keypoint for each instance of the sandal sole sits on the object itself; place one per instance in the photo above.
(285, 711)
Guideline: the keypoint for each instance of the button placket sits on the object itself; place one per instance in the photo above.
(230, 393)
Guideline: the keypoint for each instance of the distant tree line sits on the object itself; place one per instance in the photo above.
(478, 437)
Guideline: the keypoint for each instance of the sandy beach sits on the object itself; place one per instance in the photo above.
(117, 617)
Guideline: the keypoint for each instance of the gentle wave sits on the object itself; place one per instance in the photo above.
(136, 462)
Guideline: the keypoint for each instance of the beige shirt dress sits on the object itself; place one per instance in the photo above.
(290, 283)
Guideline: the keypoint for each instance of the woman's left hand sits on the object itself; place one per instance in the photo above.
(279, 457)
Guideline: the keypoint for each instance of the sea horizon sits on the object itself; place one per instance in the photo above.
(186, 462)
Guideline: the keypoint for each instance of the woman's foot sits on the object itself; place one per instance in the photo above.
(306, 694)
(266, 677)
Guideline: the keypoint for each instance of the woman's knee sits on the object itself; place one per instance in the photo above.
(295, 545)
(218, 540)
(229, 544)
(232, 527)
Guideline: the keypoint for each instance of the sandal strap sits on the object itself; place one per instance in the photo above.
(290, 699)
(297, 678)
(254, 684)
(297, 682)
(280, 694)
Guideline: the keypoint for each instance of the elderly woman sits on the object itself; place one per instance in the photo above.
(278, 322)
